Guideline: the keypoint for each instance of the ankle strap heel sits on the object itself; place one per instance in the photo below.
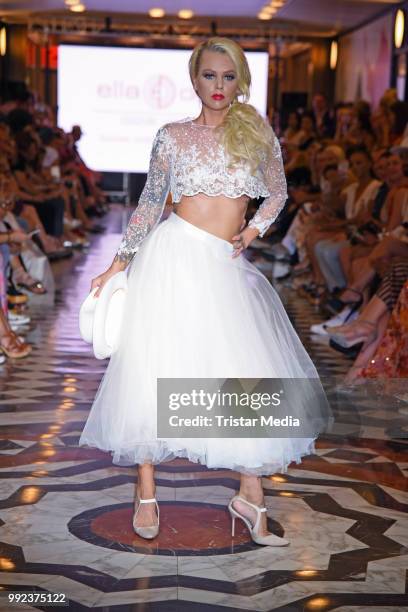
(151, 531)
(268, 540)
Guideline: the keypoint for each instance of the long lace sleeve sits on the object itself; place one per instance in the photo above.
(152, 200)
(274, 176)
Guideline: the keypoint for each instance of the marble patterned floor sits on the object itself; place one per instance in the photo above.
(65, 512)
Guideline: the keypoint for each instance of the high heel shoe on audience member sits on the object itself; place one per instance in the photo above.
(352, 351)
(268, 540)
(347, 315)
(334, 305)
(348, 336)
(23, 280)
(151, 531)
(14, 347)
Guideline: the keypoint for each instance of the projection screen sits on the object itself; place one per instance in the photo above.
(120, 96)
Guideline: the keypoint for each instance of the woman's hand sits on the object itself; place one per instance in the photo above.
(99, 281)
(242, 240)
(18, 236)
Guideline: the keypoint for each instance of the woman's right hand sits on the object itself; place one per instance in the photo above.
(100, 280)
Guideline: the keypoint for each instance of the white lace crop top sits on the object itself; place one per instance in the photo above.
(187, 159)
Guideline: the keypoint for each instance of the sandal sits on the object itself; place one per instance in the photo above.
(14, 347)
(335, 305)
(343, 335)
(35, 287)
(254, 529)
(352, 351)
(24, 281)
(151, 531)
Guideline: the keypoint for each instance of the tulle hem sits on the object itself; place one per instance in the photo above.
(156, 453)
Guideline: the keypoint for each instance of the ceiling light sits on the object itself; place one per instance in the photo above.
(264, 15)
(72, 2)
(334, 52)
(77, 8)
(185, 14)
(3, 41)
(270, 10)
(156, 13)
(277, 3)
(399, 28)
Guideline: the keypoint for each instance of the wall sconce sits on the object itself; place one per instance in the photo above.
(399, 28)
(3, 41)
(334, 53)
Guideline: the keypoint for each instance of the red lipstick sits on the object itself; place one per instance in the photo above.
(217, 96)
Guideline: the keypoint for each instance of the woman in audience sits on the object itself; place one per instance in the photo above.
(25, 211)
(383, 349)
(390, 358)
(385, 215)
(11, 345)
(49, 205)
(292, 135)
(324, 243)
(390, 241)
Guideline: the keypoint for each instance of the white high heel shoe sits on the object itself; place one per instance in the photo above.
(269, 540)
(151, 531)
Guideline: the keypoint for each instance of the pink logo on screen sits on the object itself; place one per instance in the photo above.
(159, 91)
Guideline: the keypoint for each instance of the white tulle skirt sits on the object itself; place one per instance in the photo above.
(193, 311)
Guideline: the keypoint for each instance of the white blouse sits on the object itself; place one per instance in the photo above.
(187, 159)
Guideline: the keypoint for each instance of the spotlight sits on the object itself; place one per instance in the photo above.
(3, 41)
(334, 52)
(269, 10)
(78, 8)
(264, 16)
(156, 13)
(399, 28)
(185, 14)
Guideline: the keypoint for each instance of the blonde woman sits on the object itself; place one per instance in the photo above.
(196, 308)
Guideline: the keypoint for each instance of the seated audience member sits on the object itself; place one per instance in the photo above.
(325, 242)
(380, 331)
(383, 240)
(291, 135)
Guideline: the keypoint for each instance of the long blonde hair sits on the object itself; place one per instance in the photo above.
(243, 132)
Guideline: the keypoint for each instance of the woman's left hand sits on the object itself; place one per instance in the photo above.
(242, 240)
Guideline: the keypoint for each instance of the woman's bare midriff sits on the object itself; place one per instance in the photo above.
(218, 215)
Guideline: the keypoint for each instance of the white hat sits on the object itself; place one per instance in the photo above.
(86, 316)
(100, 318)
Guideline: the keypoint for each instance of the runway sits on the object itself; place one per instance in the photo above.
(66, 511)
